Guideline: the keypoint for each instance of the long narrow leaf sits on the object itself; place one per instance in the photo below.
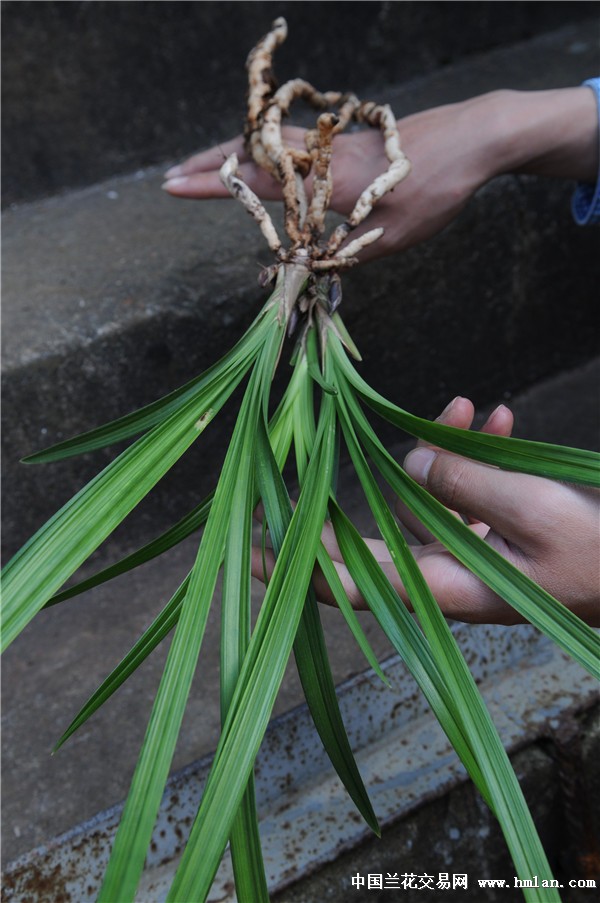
(244, 839)
(345, 606)
(391, 613)
(150, 639)
(303, 419)
(310, 650)
(246, 851)
(151, 773)
(504, 796)
(260, 677)
(534, 603)
(231, 368)
(167, 540)
(484, 743)
(544, 459)
(56, 551)
(280, 431)
(541, 609)
(313, 364)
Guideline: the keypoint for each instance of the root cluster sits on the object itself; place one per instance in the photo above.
(304, 219)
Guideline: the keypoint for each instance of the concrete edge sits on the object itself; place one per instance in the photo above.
(306, 817)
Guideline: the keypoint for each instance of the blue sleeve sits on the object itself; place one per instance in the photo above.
(586, 199)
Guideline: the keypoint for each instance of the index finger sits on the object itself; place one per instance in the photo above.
(210, 159)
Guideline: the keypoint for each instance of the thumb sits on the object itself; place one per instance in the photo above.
(506, 501)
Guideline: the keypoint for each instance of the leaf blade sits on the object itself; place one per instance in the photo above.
(475, 724)
(244, 838)
(540, 458)
(537, 606)
(261, 675)
(148, 641)
(310, 649)
(135, 829)
(167, 540)
(55, 552)
(230, 368)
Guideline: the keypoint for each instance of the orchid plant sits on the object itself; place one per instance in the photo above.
(322, 409)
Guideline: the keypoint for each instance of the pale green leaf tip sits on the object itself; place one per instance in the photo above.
(31, 459)
(57, 746)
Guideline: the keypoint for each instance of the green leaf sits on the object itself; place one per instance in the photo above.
(171, 537)
(317, 681)
(303, 418)
(455, 700)
(534, 603)
(230, 369)
(150, 639)
(310, 650)
(345, 336)
(472, 716)
(397, 624)
(543, 459)
(260, 677)
(537, 606)
(246, 851)
(244, 839)
(313, 363)
(151, 773)
(280, 431)
(56, 551)
(345, 606)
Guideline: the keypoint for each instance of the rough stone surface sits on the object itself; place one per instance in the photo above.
(93, 89)
(457, 834)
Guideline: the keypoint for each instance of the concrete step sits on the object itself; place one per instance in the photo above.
(116, 294)
(97, 89)
(432, 820)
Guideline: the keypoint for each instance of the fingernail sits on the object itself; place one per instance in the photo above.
(448, 408)
(174, 183)
(174, 172)
(418, 463)
(494, 414)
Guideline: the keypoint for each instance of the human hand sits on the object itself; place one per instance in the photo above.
(454, 150)
(548, 530)
(438, 186)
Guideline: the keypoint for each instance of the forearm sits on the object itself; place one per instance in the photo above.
(548, 133)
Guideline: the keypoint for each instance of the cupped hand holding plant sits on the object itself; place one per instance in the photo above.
(547, 529)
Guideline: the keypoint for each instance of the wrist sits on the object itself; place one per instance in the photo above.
(547, 133)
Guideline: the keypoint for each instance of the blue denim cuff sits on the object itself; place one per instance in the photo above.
(585, 203)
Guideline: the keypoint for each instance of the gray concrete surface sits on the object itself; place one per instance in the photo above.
(116, 293)
(307, 820)
(456, 834)
(93, 89)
